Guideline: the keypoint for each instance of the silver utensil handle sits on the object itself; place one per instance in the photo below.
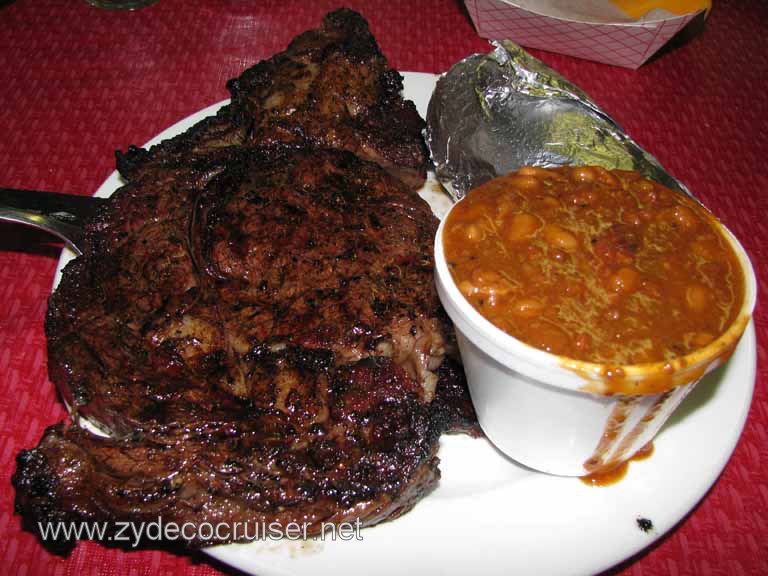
(70, 233)
(60, 214)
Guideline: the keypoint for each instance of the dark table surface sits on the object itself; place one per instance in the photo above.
(77, 83)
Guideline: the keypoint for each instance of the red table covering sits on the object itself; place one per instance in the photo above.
(78, 82)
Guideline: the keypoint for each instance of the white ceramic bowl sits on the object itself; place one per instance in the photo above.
(556, 414)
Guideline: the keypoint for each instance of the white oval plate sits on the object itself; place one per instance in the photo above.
(492, 516)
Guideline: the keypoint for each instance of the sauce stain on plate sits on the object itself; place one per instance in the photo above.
(614, 475)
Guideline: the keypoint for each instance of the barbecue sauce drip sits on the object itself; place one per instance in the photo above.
(617, 473)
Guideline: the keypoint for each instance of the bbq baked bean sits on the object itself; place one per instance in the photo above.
(596, 265)
(520, 226)
(558, 237)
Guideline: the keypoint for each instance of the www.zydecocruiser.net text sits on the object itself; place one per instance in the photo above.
(134, 533)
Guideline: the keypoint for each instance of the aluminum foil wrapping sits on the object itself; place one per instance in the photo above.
(493, 113)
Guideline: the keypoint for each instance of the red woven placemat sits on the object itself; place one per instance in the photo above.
(77, 82)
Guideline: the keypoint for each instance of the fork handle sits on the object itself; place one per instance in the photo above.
(63, 215)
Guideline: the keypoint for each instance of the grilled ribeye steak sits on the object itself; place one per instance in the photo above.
(262, 337)
(254, 318)
(332, 87)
